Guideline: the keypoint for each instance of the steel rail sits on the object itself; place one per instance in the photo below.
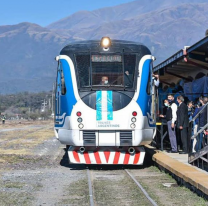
(90, 188)
(141, 188)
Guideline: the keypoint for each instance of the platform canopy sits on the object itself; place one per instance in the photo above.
(186, 61)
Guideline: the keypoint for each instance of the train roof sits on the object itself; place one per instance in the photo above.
(94, 46)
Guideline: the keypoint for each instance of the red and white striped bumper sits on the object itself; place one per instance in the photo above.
(106, 157)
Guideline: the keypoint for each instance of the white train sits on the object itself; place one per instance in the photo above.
(105, 101)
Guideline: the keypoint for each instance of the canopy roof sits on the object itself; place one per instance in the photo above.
(185, 61)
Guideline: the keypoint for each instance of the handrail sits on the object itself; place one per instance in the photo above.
(201, 130)
(198, 149)
(199, 113)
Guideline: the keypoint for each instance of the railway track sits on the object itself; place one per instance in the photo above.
(90, 188)
(126, 174)
(141, 188)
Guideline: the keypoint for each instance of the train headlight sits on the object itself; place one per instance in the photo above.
(105, 42)
(79, 119)
(132, 125)
(80, 125)
(133, 119)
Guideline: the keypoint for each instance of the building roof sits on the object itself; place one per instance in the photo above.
(185, 60)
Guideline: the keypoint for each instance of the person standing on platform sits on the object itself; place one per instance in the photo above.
(195, 125)
(190, 110)
(183, 123)
(171, 119)
(202, 122)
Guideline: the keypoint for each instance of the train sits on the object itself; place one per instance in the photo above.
(105, 101)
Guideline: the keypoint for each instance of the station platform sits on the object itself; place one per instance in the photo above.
(177, 165)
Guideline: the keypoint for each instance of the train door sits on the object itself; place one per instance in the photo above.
(153, 95)
(58, 91)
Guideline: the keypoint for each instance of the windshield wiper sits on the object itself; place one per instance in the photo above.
(107, 86)
(122, 86)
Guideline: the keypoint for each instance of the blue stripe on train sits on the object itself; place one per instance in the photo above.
(110, 105)
(99, 105)
(99, 112)
(144, 98)
(68, 100)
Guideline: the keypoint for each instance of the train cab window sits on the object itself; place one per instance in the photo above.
(107, 71)
(113, 70)
(83, 67)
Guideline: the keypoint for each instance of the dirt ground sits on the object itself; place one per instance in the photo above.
(34, 170)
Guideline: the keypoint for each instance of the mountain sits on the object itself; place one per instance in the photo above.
(163, 31)
(86, 19)
(27, 55)
(155, 23)
(28, 50)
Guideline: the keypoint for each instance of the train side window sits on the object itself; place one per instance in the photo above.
(129, 69)
(149, 83)
(63, 85)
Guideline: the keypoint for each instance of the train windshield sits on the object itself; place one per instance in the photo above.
(106, 71)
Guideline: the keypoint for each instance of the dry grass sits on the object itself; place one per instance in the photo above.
(17, 152)
(14, 193)
(116, 188)
(152, 180)
(77, 193)
(22, 142)
(22, 123)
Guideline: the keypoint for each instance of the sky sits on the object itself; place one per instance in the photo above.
(44, 12)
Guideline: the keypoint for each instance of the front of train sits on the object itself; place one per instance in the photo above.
(104, 101)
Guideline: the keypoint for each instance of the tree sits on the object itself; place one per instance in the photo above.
(33, 116)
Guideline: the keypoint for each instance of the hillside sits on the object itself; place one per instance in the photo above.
(28, 57)
(28, 50)
(164, 31)
(87, 19)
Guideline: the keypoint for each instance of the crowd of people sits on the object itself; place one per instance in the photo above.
(185, 121)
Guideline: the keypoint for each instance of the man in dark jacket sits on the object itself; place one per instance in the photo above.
(183, 123)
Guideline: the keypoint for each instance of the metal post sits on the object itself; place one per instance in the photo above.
(52, 100)
(161, 129)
